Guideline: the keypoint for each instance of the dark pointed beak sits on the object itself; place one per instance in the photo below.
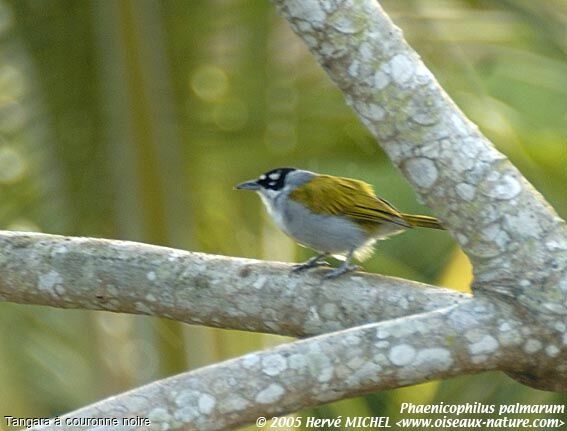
(248, 185)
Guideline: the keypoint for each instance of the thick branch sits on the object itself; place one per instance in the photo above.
(465, 338)
(515, 240)
(517, 243)
(197, 288)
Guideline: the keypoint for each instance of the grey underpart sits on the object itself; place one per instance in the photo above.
(323, 232)
(314, 262)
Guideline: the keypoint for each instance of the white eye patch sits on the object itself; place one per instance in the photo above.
(272, 183)
(274, 175)
(262, 177)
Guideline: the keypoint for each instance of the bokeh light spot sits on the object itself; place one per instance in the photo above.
(12, 165)
(6, 19)
(12, 82)
(209, 82)
(13, 116)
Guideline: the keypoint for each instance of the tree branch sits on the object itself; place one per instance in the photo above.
(198, 288)
(506, 228)
(514, 239)
(518, 246)
(461, 339)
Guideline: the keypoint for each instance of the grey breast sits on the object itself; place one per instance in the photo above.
(331, 234)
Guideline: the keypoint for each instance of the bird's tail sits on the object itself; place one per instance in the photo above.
(422, 221)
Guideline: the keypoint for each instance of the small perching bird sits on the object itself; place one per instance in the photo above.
(331, 215)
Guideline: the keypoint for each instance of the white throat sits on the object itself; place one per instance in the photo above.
(276, 201)
(274, 204)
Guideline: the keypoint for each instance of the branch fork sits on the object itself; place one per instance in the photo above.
(403, 333)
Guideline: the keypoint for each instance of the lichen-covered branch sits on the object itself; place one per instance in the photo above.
(515, 240)
(517, 321)
(198, 288)
(461, 339)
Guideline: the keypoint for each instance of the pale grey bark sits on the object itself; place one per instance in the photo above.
(220, 291)
(514, 239)
(517, 321)
(464, 338)
(506, 228)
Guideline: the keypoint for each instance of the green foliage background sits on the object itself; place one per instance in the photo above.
(133, 119)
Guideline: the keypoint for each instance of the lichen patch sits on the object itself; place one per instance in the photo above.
(402, 354)
(270, 394)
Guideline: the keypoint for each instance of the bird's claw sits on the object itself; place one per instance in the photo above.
(343, 269)
(308, 265)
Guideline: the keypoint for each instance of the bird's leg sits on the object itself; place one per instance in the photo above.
(314, 262)
(345, 267)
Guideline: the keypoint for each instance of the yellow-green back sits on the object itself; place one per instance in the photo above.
(326, 194)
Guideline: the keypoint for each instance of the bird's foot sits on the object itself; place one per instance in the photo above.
(343, 269)
(314, 262)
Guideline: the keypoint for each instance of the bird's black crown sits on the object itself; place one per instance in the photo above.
(274, 179)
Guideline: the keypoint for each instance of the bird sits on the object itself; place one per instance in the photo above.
(334, 216)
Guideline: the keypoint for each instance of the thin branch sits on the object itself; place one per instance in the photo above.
(198, 288)
(465, 338)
